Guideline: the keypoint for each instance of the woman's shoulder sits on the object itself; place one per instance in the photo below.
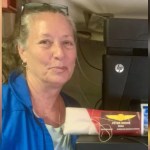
(5, 89)
(9, 100)
(69, 101)
(6, 95)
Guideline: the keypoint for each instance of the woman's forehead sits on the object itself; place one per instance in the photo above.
(48, 16)
(48, 21)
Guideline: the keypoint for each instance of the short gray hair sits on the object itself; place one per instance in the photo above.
(24, 22)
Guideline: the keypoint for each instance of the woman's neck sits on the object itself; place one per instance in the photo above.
(47, 103)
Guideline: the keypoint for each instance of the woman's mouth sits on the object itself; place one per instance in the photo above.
(58, 69)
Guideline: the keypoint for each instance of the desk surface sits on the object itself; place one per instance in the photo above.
(91, 142)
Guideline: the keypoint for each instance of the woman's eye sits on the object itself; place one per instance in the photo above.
(68, 44)
(45, 43)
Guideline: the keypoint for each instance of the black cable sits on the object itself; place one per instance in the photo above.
(97, 102)
(86, 59)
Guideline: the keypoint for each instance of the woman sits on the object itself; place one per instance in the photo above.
(33, 104)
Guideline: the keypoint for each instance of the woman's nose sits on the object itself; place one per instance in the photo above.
(58, 52)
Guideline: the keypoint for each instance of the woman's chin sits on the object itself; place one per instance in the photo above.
(58, 81)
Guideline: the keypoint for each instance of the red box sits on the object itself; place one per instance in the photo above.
(117, 122)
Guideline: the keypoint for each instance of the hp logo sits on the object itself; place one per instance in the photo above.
(119, 68)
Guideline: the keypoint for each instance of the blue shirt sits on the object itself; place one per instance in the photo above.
(21, 129)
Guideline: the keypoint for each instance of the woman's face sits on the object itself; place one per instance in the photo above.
(50, 53)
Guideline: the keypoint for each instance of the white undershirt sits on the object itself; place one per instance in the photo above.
(60, 141)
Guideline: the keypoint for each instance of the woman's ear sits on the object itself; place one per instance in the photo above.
(22, 53)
